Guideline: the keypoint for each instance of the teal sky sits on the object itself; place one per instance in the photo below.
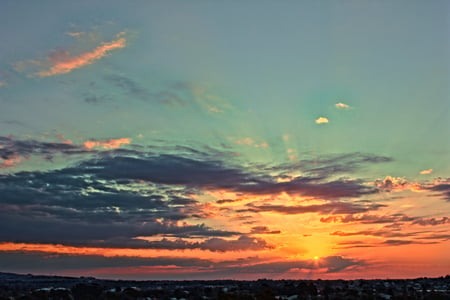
(247, 78)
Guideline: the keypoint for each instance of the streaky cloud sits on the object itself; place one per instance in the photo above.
(62, 61)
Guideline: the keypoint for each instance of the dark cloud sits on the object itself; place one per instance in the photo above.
(70, 206)
(129, 86)
(222, 201)
(331, 263)
(16, 261)
(114, 196)
(327, 165)
(214, 174)
(243, 242)
(443, 188)
(437, 236)
(263, 230)
(397, 242)
(432, 221)
(11, 148)
(388, 242)
(177, 94)
(379, 233)
(311, 186)
(94, 99)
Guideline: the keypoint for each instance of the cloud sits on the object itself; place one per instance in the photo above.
(263, 230)
(327, 208)
(432, 221)
(13, 151)
(392, 183)
(128, 85)
(10, 162)
(321, 120)
(341, 105)
(379, 233)
(113, 196)
(106, 144)
(368, 219)
(247, 141)
(223, 201)
(331, 165)
(332, 264)
(61, 61)
(310, 186)
(244, 141)
(426, 172)
(442, 187)
(243, 242)
(157, 267)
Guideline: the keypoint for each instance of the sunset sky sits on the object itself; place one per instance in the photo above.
(225, 139)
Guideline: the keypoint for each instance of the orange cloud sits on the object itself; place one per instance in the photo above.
(321, 120)
(62, 61)
(425, 172)
(107, 144)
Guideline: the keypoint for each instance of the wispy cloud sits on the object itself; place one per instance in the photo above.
(63, 61)
(322, 120)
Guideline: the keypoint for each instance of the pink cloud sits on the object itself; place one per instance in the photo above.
(62, 61)
(106, 144)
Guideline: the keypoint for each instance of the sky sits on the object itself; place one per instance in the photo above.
(225, 139)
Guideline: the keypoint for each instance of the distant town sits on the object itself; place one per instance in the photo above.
(30, 287)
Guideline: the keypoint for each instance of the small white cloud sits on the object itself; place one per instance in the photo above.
(425, 172)
(321, 120)
(341, 105)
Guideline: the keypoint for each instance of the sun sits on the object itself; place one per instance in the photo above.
(316, 258)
